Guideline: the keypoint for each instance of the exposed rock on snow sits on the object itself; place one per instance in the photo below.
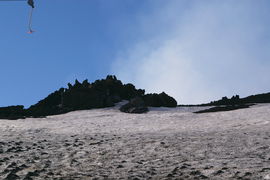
(166, 143)
(225, 108)
(135, 105)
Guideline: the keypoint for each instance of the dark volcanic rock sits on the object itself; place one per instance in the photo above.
(159, 100)
(83, 96)
(135, 105)
(236, 100)
(12, 176)
(224, 108)
(12, 112)
(29, 175)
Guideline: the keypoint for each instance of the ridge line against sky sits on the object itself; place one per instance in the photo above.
(196, 51)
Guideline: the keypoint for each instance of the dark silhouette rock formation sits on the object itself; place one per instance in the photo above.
(81, 96)
(226, 101)
(159, 100)
(12, 112)
(236, 100)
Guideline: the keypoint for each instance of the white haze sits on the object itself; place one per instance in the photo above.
(197, 51)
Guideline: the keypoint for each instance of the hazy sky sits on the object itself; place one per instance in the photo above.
(194, 50)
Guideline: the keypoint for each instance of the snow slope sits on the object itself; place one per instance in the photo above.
(166, 143)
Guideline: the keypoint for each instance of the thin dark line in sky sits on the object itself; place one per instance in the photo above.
(13, 0)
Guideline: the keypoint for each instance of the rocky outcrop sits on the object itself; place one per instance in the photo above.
(224, 108)
(236, 100)
(82, 96)
(159, 100)
(135, 105)
(12, 112)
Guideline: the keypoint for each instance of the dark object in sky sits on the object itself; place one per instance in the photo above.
(31, 3)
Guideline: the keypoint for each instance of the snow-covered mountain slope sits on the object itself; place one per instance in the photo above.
(164, 143)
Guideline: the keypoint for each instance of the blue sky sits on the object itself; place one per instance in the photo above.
(73, 39)
(194, 50)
